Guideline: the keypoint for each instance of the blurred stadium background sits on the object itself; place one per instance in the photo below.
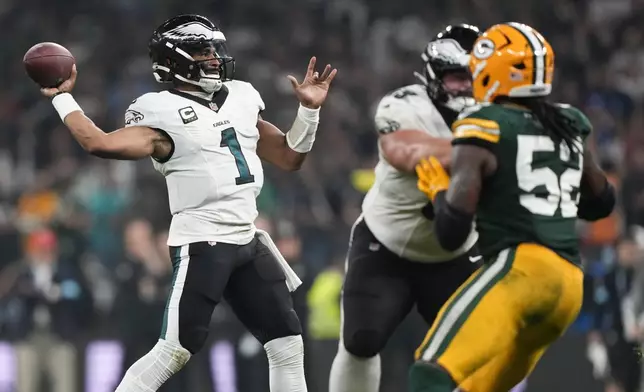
(84, 269)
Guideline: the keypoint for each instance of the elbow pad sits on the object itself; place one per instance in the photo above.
(595, 207)
(452, 227)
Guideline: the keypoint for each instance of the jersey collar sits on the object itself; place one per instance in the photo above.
(217, 101)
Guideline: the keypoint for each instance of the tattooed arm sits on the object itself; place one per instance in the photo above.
(455, 208)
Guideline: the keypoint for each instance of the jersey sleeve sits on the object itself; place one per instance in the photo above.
(477, 128)
(582, 122)
(141, 112)
(259, 101)
(255, 97)
(393, 115)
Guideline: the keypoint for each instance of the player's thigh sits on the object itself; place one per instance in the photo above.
(434, 283)
(376, 294)
(200, 274)
(519, 303)
(476, 324)
(258, 295)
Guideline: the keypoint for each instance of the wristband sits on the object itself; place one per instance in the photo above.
(65, 104)
(307, 114)
(301, 136)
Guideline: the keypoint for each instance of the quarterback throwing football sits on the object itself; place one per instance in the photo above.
(206, 136)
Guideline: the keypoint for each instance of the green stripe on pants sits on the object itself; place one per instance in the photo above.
(464, 304)
(176, 260)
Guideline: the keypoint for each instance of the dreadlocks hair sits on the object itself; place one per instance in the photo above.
(558, 126)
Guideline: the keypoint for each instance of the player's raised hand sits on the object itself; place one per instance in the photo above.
(432, 177)
(313, 90)
(65, 87)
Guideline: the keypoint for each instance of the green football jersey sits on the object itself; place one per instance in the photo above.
(533, 195)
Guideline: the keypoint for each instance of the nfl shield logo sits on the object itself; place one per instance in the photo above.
(213, 106)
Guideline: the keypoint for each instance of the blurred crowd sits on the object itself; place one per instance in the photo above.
(83, 240)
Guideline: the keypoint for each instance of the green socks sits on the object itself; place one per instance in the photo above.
(426, 377)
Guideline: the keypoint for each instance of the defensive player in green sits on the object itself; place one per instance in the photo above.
(519, 163)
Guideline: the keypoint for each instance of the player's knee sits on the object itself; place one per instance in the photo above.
(365, 343)
(287, 325)
(192, 338)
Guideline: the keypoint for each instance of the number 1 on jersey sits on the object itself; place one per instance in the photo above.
(229, 139)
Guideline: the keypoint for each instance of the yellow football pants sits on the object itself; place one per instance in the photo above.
(491, 333)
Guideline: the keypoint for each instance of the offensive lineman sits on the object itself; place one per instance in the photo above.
(394, 260)
(206, 136)
(521, 165)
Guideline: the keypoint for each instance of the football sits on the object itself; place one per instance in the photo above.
(48, 64)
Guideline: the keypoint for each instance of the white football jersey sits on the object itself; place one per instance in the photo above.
(392, 207)
(214, 174)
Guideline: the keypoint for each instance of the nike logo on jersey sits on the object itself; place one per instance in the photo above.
(220, 123)
(474, 259)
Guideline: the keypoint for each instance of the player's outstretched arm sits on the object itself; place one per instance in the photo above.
(597, 195)
(288, 150)
(405, 148)
(128, 143)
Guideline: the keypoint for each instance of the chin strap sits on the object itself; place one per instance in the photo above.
(421, 78)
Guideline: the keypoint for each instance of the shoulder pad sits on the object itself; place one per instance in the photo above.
(471, 110)
(248, 90)
(476, 123)
(583, 123)
(404, 92)
(393, 114)
(142, 111)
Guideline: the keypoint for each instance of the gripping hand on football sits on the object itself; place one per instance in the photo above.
(432, 177)
(313, 90)
(65, 87)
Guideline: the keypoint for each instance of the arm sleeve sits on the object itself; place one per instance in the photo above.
(593, 208)
(452, 226)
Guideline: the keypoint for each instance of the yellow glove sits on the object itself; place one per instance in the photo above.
(432, 177)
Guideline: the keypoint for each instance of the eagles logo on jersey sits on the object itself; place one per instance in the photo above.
(132, 116)
(384, 125)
